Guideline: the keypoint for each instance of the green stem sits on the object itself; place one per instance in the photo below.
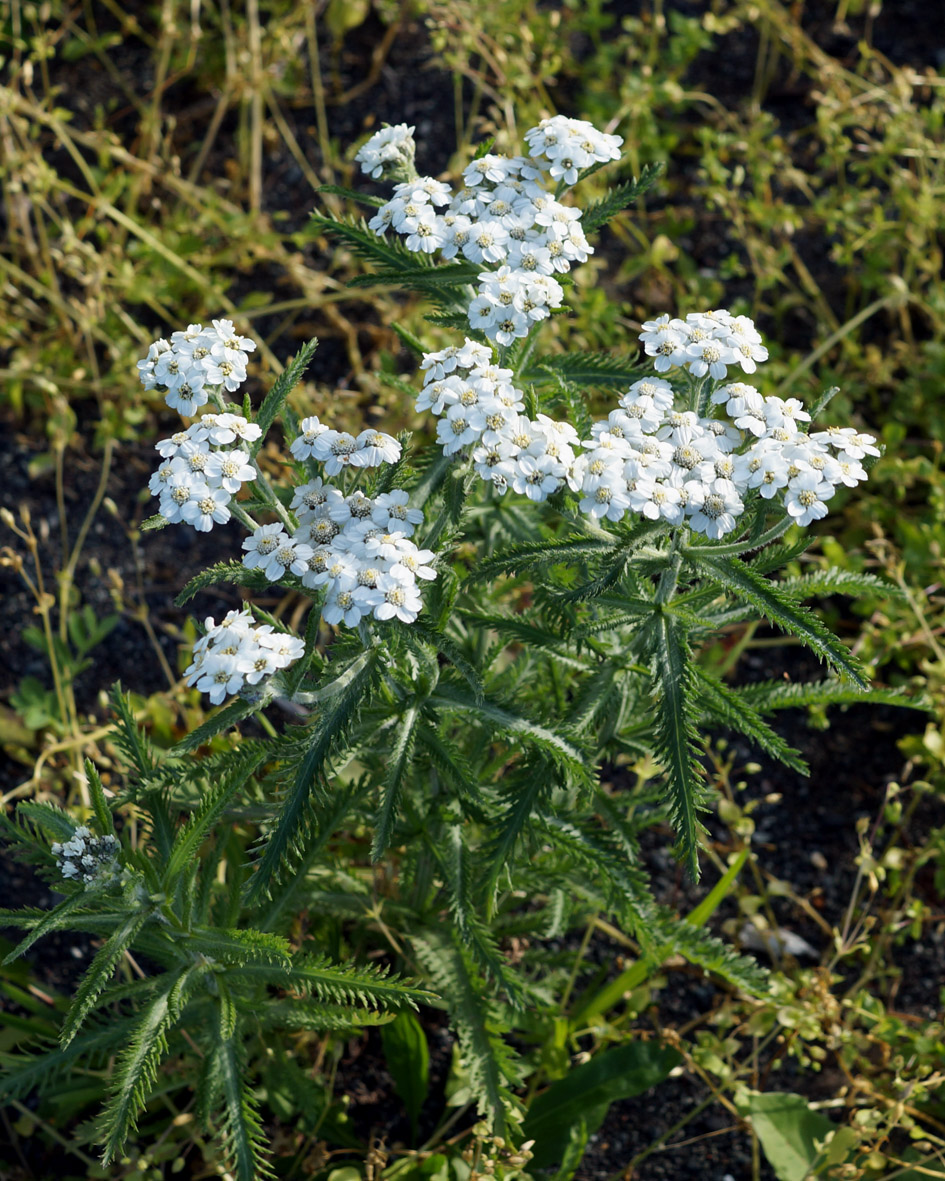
(737, 548)
(262, 485)
(670, 576)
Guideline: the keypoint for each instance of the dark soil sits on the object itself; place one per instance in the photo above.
(807, 837)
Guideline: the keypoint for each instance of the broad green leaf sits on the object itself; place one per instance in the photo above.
(587, 1092)
(408, 1059)
(787, 1129)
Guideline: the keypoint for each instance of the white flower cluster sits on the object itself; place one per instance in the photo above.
(505, 215)
(85, 858)
(647, 457)
(236, 653)
(387, 151)
(193, 360)
(356, 547)
(705, 342)
(338, 450)
(201, 471)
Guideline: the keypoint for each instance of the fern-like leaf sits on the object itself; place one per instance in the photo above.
(242, 1132)
(45, 921)
(390, 254)
(748, 586)
(490, 1063)
(729, 708)
(281, 388)
(99, 973)
(350, 691)
(398, 765)
(212, 805)
(552, 744)
(136, 1069)
(351, 195)
(222, 572)
(675, 736)
(237, 711)
(127, 735)
(449, 849)
(344, 984)
(767, 696)
(598, 213)
(710, 953)
(602, 370)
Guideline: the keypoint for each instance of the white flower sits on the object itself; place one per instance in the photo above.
(413, 563)
(608, 499)
(336, 450)
(374, 448)
(719, 508)
(178, 490)
(655, 500)
(429, 234)
(86, 858)
(454, 430)
(222, 674)
(391, 510)
(709, 356)
(222, 371)
(206, 507)
(849, 441)
(310, 431)
(340, 606)
(805, 497)
(399, 599)
(283, 649)
(666, 344)
(185, 392)
(262, 544)
(227, 345)
(309, 500)
(535, 475)
(146, 366)
(229, 470)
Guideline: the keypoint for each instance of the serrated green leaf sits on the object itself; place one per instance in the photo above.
(281, 388)
(223, 719)
(619, 197)
(747, 585)
(99, 973)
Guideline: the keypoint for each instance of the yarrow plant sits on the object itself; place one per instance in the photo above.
(495, 608)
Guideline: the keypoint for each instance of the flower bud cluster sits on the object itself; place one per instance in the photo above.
(193, 361)
(201, 470)
(388, 152)
(236, 653)
(505, 216)
(648, 457)
(85, 858)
